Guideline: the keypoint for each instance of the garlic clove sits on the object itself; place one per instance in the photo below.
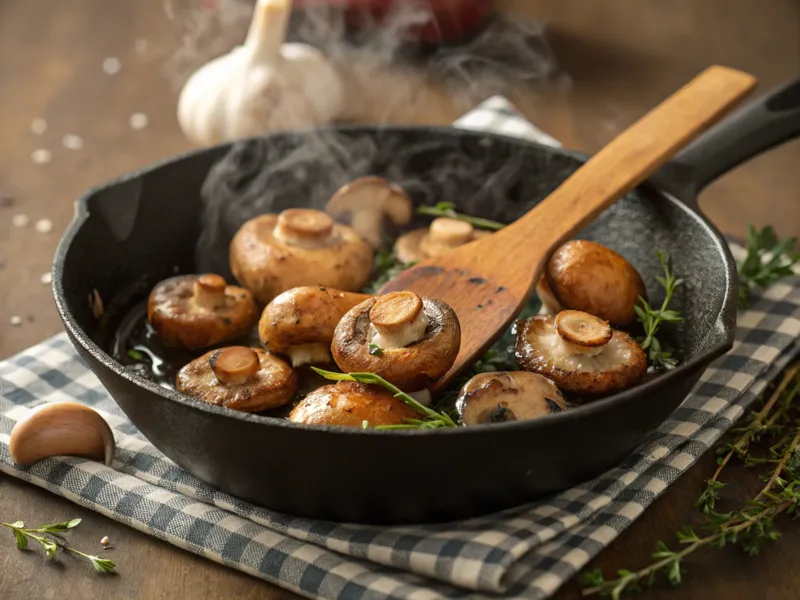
(61, 429)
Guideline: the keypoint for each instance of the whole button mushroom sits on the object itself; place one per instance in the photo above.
(410, 341)
(198, 311)
(349, 404)
(587, 276)
(442, 235)
(368, 204)
(508, 396)
(300, 322)
(299, 247)
(240, 378)
(580, 353)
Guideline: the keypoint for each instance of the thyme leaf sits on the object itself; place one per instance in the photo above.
(447, 209)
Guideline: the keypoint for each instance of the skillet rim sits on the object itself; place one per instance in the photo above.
(725, 322)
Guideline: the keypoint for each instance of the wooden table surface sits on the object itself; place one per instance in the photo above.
(622, 56)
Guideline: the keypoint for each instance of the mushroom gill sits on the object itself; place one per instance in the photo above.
(508, 396)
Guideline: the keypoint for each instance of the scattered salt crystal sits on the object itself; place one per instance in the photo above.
(20, 220)
(111, 65)
(16, 321)
(139, 121)
(72, 141)
(46, 278)
(41, 156)
(44, 226)
(38, 126)
(140, 45)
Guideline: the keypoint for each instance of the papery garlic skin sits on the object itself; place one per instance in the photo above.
(262, 86)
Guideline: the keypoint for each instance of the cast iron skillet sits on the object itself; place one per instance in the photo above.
(129, 233)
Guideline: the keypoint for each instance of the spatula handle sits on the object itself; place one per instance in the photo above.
(632, 157)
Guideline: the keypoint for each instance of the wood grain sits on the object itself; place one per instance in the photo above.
(487, 291)
(621, 57)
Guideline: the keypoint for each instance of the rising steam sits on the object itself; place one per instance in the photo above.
(388, 82)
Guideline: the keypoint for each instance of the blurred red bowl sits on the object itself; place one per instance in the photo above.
(451, 20)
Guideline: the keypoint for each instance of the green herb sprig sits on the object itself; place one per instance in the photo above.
(447, 209)
(652, 319)
(752, 526)
(768, 259)
(432, 419)
(52, 539)
(387, 267)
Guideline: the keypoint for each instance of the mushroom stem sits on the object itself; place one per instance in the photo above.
(209, 292)
(369, 225)
(397, 319)
(314, 353)
(581, 332)
(234, 365)
(304, 227)
(450, 232)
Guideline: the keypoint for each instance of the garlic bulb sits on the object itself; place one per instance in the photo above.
(261, 86)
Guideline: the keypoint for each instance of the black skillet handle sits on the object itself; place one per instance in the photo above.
(766, 122)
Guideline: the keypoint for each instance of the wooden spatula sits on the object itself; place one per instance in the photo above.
(487, 282)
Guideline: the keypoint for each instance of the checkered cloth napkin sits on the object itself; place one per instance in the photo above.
(526, 552)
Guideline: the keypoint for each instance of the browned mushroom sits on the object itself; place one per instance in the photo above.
(444, 234)
(508, 396)
(410, 341)
(241, 378)
(580, 352)
(198, 311)
(367, 203)
(587, 276)
(274, 253)
(299, 323)
(349, 404)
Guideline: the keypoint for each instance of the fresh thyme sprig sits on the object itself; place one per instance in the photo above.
(433, 419)
(50, 545)
(447, 209)
(758, 425)
(753, 525)
(768, 260)
(652, 319)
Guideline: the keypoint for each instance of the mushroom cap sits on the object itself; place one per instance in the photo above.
(241, 378)
(349, 404)
(304, 315)
(508, 396)
(443, 234)
(300, 247)
(589, 277)
(615, 366)
(198, 311)
(369, 201)
(412, 367)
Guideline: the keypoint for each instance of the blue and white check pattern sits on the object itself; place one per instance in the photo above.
(526, 552)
